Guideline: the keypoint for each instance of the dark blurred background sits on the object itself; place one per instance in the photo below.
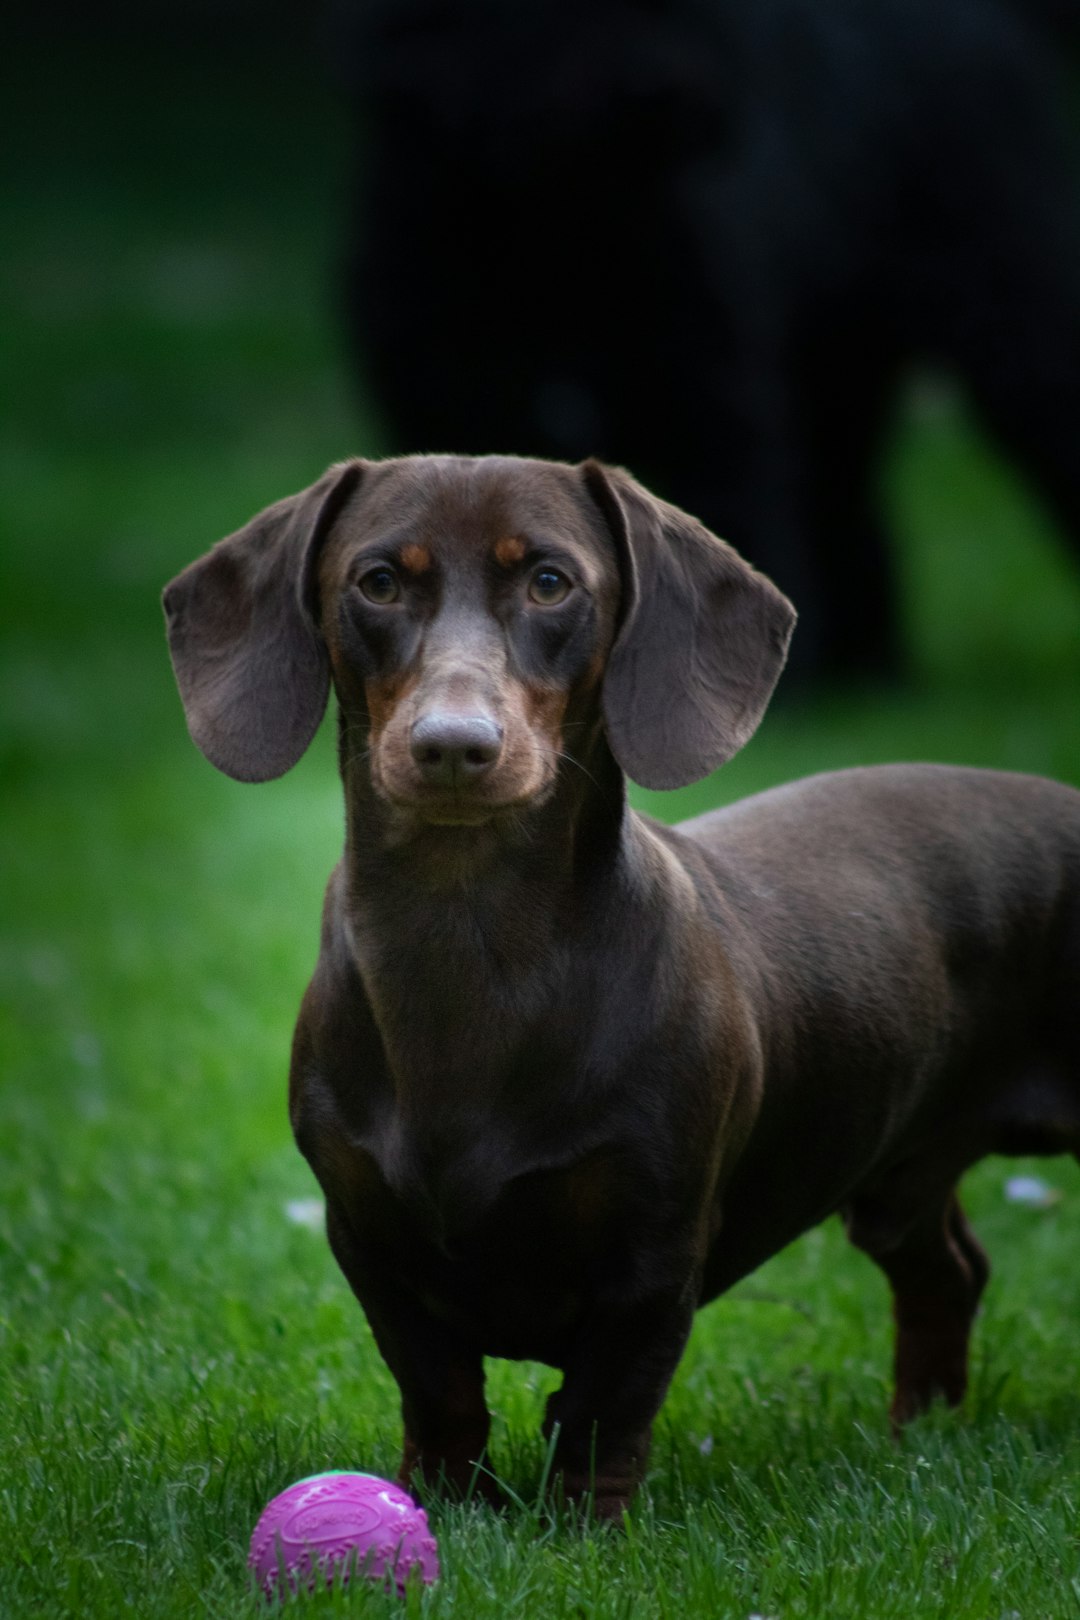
(811, 269)
(714, 241)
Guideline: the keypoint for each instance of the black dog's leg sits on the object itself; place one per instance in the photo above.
(1014, 336)
(842, 411)
(1026, 386)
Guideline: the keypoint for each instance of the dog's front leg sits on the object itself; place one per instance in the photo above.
(440, 1375)
(615, 1381)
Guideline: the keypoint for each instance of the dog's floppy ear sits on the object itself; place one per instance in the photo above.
(249, 659)
(701, 641)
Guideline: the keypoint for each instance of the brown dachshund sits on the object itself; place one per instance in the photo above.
(563, 1073)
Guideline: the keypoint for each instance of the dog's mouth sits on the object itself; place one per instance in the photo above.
(464, 808)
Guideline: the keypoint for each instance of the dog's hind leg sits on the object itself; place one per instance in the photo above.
(937, 1271)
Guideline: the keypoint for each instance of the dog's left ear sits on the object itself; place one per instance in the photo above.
(702, 639)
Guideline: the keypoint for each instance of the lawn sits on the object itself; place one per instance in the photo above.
(175, 1345)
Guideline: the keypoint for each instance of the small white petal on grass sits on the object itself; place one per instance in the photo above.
(1032, 1191)
(309, 1212)
(706, 1446)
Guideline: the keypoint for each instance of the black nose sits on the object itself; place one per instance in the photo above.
(453, 749)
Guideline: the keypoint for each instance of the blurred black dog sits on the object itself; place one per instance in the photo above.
(707, 238)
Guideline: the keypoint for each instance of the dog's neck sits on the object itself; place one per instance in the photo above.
(461, 934)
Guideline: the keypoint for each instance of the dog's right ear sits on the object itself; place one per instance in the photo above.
(249, 660)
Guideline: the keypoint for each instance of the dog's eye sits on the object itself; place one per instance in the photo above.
(548, 587)
(380, 585)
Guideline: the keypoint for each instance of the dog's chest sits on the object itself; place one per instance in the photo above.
(508, 1250)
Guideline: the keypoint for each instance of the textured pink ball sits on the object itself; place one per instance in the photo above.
(341, 1521)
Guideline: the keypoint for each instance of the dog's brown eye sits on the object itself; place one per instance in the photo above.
(548, 587)
(380, 585)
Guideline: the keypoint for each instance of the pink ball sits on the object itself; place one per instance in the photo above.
(341, 1520)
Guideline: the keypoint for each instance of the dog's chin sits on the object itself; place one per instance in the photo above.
(454, 814)
(464, 809)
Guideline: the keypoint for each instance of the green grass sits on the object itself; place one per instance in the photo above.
(173, 1349)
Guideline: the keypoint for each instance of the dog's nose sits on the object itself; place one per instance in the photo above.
(452, 749)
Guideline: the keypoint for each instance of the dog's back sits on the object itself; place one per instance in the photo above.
(912, 934)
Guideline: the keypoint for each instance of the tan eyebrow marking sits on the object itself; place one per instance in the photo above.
(509, 551)
(415, 557)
